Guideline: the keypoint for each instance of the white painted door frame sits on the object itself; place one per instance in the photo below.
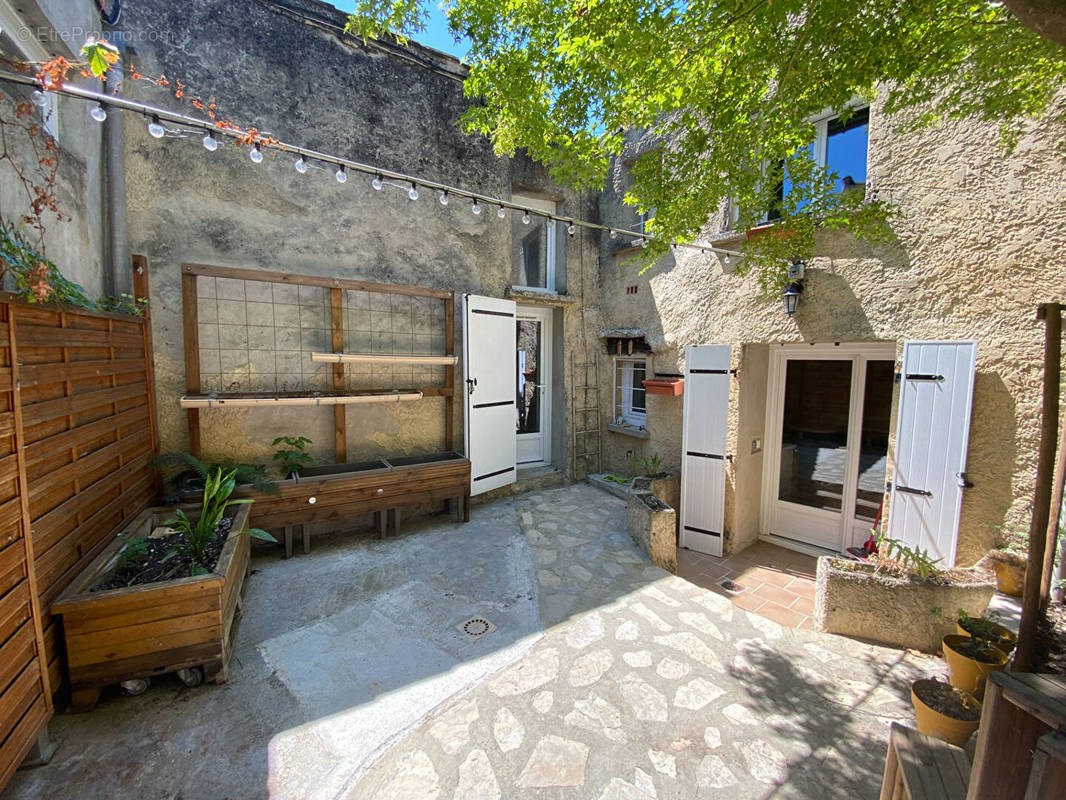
(815, 530)
(535, 448)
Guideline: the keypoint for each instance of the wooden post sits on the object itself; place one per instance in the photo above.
(191, 326)
(449, 373)
(340, 420)
(1053, 521)
(1051, 313)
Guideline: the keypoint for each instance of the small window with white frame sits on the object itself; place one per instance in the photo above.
(538, 257)
(629, 396)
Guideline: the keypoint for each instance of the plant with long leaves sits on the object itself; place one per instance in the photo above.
(892, 553)
(193, 473)
(196, 534)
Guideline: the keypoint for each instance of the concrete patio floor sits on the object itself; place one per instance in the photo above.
(603, 677)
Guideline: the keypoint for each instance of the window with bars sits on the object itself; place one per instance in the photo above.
(629, 404)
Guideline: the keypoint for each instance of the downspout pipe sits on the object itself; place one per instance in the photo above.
(118, 279)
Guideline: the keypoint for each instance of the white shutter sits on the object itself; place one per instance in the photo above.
(706, 422)
(489, 352)
(932, 435)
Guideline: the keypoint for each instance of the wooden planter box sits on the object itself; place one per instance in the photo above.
(154, 628)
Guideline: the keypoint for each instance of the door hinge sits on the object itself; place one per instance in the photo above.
(966, 484)
(471, 383)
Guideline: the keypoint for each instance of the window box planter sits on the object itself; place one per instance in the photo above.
(136, 632)
(852, 599)
(671, 387)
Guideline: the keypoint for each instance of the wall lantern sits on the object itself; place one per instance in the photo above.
(791, 296)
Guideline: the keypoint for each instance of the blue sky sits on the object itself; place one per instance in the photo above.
(436, 34)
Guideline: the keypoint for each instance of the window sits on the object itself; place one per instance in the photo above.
(840, 145)
(16, 37)
(539, 255)
(629, 404)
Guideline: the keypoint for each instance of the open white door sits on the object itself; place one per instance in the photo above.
(489, 367)
(703, 441)
(932, 435)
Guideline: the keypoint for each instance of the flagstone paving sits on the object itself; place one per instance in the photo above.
(648, 686)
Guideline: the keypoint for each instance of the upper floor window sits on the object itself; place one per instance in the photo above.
(17, 38)
(629, 404)
(539, 251)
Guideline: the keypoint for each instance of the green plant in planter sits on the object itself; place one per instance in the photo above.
(979, 650)
(293, 457)
(193, 474)
(197, 534)
(651, 464)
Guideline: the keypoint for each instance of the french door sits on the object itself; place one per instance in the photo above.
(533, 368)
(828, 414)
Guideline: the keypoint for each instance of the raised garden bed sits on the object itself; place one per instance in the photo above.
(853, 599)
(135, 632)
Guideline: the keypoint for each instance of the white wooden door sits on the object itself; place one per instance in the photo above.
(489, 370)
(706, 420)
(932, 436)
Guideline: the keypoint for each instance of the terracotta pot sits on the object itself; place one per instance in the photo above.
(672, 387)
(1001, 638)
(941, 726)
(967, 673)
(1010, 577)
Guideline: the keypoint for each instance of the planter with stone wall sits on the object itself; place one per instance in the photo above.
(652, 524)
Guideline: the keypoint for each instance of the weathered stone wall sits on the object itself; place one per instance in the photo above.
(286, 69)
(76, 245)
(980, 241)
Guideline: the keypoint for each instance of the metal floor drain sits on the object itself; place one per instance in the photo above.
(731, 586)
(475, 627)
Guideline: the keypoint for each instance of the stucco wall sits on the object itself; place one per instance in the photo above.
(293, 75)
(980, 241)
(77, 244)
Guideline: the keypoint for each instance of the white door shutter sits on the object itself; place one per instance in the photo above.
(489, 366)
(703, 459)
(932, 434)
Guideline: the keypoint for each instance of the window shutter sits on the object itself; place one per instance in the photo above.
(932, 436)
(706, 422)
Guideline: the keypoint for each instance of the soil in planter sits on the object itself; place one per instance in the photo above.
(152, 565)
(979, 650)
(984, 629)
(947, 700)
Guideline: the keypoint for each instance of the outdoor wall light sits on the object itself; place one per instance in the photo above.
(791, 296)
(98, 112)
(210, 143)
(256, 154)
(155, 128)
(341, 174)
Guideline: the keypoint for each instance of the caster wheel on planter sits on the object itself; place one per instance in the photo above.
(193, 676)
(136, 686)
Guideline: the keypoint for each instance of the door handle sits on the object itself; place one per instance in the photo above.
(909, 490)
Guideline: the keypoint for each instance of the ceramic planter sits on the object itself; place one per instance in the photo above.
(1010, 577)
(970, 674)
(671, 387)
(996, 635)
(938, 724)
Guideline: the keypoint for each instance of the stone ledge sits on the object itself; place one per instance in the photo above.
(625, 430)
(537, 296)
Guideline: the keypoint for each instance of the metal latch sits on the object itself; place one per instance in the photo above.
(923, 376)
(909, 490)
(470, 384)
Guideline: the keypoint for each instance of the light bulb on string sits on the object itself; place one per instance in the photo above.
(643, 242)
(444, 198)
(39, 98)
(256, 154)
(413, 192)
(98, 112)
(475, 208)
(341, 174)
(501, 212)
(525, 217)
(377, 183)
(210, 143)
(300, 165)
(156, 129)
(571, 229)
(728, 259)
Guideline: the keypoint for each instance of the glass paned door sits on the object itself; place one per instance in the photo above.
(533, 376)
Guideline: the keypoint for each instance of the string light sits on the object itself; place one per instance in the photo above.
(444, 198)
(39, 98)
(341, 174)
(571, 229)
(210, 143)
(98, 112)
(501, 212)
(475, 208)
(300, 165)
(413, 191)
(256, 154)
(155, 128)
(377, 183)
(728, 259)
(643, 242)
(525, 217)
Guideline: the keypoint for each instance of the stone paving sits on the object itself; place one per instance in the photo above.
(648, 686)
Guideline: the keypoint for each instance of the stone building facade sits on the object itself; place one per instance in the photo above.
(979, 243)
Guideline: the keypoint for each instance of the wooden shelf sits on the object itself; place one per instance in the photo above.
(293, 399)
(364, 358)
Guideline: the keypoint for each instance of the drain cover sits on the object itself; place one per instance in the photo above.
(731, 586)
(475, 627)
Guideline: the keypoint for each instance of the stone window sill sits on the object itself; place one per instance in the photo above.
(534, 295)
(628, 430)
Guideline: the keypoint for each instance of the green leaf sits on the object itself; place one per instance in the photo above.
(259, 533)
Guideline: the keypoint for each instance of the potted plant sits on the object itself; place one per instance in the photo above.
(187, 482)
(984, 628)
(945, 712)
(161, 597)
(293, 456)
(971, 660)
(1009, 559)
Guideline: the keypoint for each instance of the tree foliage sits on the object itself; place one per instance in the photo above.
(726, 87)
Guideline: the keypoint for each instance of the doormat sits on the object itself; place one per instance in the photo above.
(731, 586)
(475, 627)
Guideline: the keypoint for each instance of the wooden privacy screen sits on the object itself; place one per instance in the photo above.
(259, 338)
(77, 436)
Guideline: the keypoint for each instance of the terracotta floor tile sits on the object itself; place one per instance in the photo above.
(781, 615)
(775, 594)
(749, 602)
(804, 587)
(771, 576)
(804, 605)
(806, 625)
